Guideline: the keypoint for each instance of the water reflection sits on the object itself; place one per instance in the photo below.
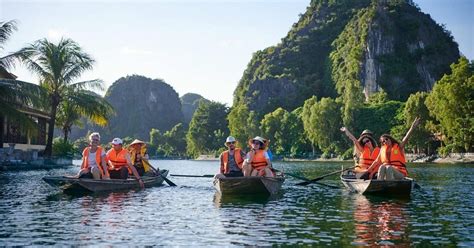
(380, 221)
(222, 201)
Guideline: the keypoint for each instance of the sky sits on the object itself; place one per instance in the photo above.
(200, 46)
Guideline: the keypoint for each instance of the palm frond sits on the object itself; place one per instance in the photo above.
(96, 84)
(6, 29)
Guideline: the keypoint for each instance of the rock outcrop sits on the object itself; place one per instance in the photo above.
(362, 46)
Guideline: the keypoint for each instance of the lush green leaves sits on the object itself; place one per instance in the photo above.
(208, 129)
(452, 104)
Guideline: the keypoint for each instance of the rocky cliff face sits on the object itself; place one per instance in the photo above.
(140, 104)
(370, 45)
(401, 37)
(189, 103)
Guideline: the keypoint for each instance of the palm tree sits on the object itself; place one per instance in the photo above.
(6, 29)
(15, 94)
(82, 104)
(58, 66)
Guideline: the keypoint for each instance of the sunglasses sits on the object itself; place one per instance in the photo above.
(256, 142)
(95, 140)
(384, 140)
(365, 141)
(230, 143)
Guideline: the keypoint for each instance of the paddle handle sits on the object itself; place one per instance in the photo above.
(177, 175)
(323, 176)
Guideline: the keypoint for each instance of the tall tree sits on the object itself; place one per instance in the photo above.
(421, 138)
(207, 129)
(58, 67)
(243, 124)
(15, 94)
(452, 103)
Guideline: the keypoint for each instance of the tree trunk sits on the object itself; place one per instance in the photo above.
(65, 135)
(48, 151)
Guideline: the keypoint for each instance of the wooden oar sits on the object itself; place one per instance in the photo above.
(323, 176)
(177, 175)
(306, 179)
(159, 174)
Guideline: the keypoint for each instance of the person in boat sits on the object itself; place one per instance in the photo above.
(94, 160)
(257, 162)
(139, 156)
(392, 156)
(120, 163)
(365, 149)
(231, 160)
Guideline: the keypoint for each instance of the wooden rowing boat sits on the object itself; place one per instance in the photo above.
(378, 187)
(249, 185)
(85, 184)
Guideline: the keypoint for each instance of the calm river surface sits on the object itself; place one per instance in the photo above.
(442, 213)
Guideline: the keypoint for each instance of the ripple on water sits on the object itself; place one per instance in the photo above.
(192, 214)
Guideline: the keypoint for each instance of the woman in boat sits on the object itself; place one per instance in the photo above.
(120, 163)
(365, 149)
(392, 156)
(139, 156)
(93, 160)
(257, 161)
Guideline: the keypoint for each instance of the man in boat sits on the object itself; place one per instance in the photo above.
(139, 156)
(231, 160)
(94, 163)
(365, 150)
(392, 156)
(120, 163)
(257, 161)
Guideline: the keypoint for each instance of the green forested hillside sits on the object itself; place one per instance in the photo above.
(350, 49)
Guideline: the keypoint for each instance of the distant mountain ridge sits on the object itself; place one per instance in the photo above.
(345, 48)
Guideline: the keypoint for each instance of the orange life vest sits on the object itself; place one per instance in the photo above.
(225, 168)
(259, 161)
(396, 158)
(119, 159)
(98, 158)
(367, 158)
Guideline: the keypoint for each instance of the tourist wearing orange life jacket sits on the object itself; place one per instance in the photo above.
(392, 156)
(366, 151)
(231, 160)
(93, 160)
(120, 163)
(257, 161)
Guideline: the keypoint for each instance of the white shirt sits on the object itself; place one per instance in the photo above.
(91, 158)
(247, 158)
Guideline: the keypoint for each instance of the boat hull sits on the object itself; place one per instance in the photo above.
(85, 184)
(378, 187)
(248, 185)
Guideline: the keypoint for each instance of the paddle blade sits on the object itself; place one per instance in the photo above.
(169, 182)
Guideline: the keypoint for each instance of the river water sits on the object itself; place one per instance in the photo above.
(440, 213)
